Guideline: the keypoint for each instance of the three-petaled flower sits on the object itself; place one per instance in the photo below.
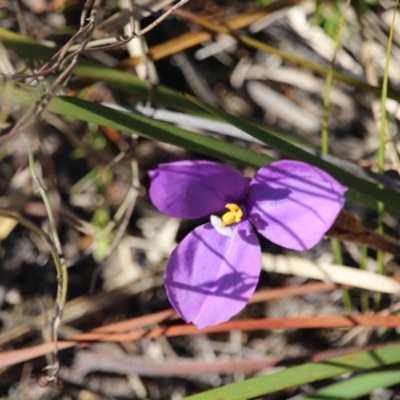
(212, 273)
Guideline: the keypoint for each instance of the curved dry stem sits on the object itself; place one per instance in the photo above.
(62, 279)
(62, 274)
(55, 63)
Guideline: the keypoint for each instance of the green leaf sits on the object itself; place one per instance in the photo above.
(360, 190)
(94, 72)
(359, 385)
(303, 374)
(140, 125)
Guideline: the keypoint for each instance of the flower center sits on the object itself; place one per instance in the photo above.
(234, 215)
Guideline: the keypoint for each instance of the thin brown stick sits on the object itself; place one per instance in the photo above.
(117, 42)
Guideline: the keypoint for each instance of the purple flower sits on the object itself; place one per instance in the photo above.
(212, 273)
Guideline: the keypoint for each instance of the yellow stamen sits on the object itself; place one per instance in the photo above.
(234, 215)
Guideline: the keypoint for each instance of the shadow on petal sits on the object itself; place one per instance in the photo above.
(299, 177)
(293, 204)
(260, 224)
(195, 189)
(210, 277)
(267, 192)
(227, 287)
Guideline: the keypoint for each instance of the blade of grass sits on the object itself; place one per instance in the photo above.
(143, 126)
(359, 385)
(360, 190)
(382, 143)
(335, 244)
(303, 374)
(329, 82)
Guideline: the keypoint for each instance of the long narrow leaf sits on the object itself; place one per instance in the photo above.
(361, 190)
(140, 125)
(359, 385)
(303, 374)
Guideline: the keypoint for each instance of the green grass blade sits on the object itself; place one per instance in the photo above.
(329, 83)
(94, 72)
(335, 244)
(142, 126)
(303, 374)
(29, 48)
(361, 190)
(359, 385)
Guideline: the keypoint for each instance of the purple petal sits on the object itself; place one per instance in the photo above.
(210, 277)
(195, 189)
(293, 203)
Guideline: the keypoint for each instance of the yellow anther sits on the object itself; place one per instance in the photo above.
(232, 207)
(234, 215)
